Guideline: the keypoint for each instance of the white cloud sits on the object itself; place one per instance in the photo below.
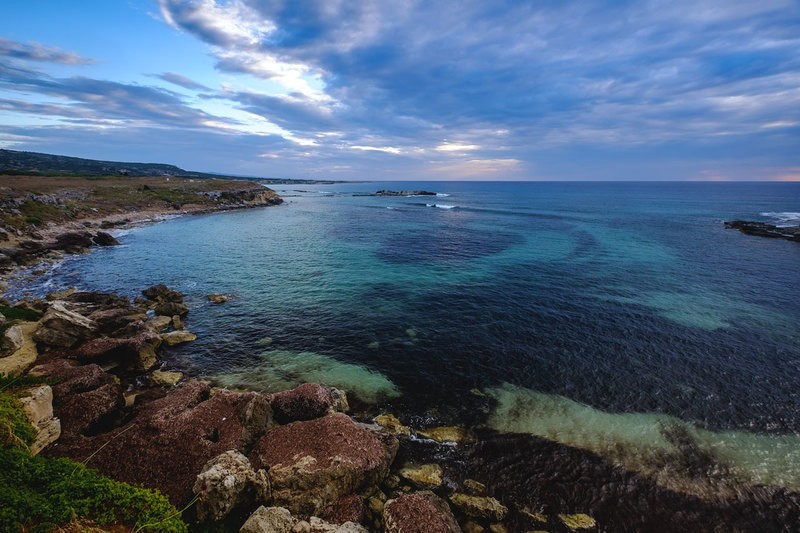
(456, 147)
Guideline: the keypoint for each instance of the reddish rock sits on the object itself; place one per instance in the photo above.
(84, 398)
(314, 463)
(349, 508)
(138, 351)
(306, 402)
(419, 512)
(170, 439)
(113, 319)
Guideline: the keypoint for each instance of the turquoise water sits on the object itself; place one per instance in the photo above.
(625, 309)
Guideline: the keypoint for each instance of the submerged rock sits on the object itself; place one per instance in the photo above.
(762, 229)
(427, 476)
(443, 434)
(392, 424)
(314, 463)
(578, 522)
(226, 482)
(479, 506)
(165, 378)
(173, 338)
(217, 298)
(419, 512)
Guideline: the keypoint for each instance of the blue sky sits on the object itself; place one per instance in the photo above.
(404, 89)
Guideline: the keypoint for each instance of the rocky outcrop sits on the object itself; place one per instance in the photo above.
(217, 298)
(166, 301)
(419, 512)
(349, 508)
(170, 439)
(762, 229)
(137, 351)
(11, 341)
(269, 520)
(173, 338)
(62, 328)
(314, 463)
(306, 402)
(228, 481)
(24, 356)
(102, 238)
(37, 403)
(392, 424)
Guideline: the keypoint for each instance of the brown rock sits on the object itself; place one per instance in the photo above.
(428, 476)
(171, 308)
(114, 319)
(165, 378)
(137, 352)
(12, 340)
(170, 439)
(217, 298)
(158, 323)
(314, 463)
(269, 520)
(349, 508)
(419, 512)
(62, 328)
(306, 402)
(455, 434)
(163, 293)
(104, 239)
(392, 424)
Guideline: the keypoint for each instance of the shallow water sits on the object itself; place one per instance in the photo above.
(625, 305)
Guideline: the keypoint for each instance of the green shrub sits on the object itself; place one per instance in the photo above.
(37, 493)
(19, 313)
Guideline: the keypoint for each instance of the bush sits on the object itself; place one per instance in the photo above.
(38, 493)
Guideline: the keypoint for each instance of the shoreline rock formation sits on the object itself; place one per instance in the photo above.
(763, 229)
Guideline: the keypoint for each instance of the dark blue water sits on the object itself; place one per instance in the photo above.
(591, 313)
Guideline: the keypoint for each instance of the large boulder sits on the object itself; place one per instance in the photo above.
(228, 481)
(483, 507)
(419, 512)
(306, 402)
(170, 439)
(12, 340)
(102, 238)
(62, 328)
(269, 520)
(173, 338)
(314, 463)
(74, 241)
(166, 301)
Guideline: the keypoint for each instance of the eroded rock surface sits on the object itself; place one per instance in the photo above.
(419, 512)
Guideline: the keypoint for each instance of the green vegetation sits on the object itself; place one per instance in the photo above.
(40, 494)
(19, 313)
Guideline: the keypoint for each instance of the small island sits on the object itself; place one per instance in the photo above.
(763, 229)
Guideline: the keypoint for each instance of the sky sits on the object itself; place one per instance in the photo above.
(410, 90)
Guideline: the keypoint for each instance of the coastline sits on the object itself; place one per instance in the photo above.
(513, 464)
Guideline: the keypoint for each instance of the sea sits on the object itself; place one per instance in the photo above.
(620, 319)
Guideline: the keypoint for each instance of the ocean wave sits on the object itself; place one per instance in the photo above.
(441, 206)
(442, 194)
(785, 218)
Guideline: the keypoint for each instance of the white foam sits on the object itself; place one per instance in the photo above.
(785, 218)
(442, 194)
(441, 206)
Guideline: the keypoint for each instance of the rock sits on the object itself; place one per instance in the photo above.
(37, 403)
(226, 482)
(60, 295)
(269, 520)
(174, 338)
(116, 321)
(479, 506)
(578, 522)
(474, 488)
(419, 512)
(317, 525)
(171, 308)
(73, 242)
(314, 463)
(170, 439)
(177, 323)
(306, 402)
(217, 298)
(24, 356)
(158, 323)
(12, 340)
(392, 424)
(349, 508)
(447, 434)
(104, 239)
(137, 352)
(85, 397)
(473, 527)
(62, 328)
(762, 229)
(162, 293)
(165, 378)
(498, 528)
(427, 476)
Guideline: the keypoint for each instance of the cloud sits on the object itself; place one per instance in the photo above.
(40, 53)
(182, 81)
